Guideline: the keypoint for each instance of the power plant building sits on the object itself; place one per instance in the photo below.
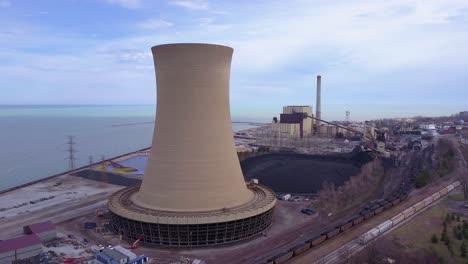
(330, 130)
(294, 121)
(193, 192)
(287, 129)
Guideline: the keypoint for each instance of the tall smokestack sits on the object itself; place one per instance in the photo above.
(318, 106)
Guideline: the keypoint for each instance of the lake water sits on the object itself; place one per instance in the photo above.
(33, 139)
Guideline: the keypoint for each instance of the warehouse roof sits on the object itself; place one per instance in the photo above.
(41, 227)
(19, 242)
(114, 254)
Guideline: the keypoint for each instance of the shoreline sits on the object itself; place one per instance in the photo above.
(99, 162)
(69, 171)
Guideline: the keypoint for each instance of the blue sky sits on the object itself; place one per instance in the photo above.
(376, 58)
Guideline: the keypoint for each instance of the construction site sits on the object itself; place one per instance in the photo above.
(262, 195)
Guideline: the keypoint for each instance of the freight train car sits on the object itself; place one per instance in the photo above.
(443, 192)
(398, 218)
(404, 196)
(316, 240)
(346, 225)
(358, 219)
(435, 196)
(427, 201)
(332, 232)
(396, 201)
(408, 212)
(282, 257)
(368, 214)
(379, 210)
(300, 248)
(387, 205)
(417, 207)
(368, 236)
(450, 187)
(384, 226)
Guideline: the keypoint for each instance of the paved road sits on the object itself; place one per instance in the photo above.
(56, 214)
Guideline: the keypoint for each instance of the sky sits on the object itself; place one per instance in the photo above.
(377, 59)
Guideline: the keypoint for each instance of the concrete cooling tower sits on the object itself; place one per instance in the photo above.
(193, 192)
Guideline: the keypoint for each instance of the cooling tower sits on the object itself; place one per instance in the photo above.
(193, 188)
(193, 159)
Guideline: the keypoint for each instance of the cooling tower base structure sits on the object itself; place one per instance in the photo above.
(163, 228)
(193, 192)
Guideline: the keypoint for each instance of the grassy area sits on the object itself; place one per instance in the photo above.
(416, 235)
(456, 197)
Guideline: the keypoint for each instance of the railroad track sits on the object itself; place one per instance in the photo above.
(353, 247)
(285, 252)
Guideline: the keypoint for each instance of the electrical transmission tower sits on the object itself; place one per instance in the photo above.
(71, 152)
(347, 117)
(91, 160)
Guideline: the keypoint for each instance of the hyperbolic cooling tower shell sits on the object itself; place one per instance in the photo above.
(193, 165)
(193, 192)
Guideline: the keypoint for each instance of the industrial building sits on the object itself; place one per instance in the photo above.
(298, 121)
(126, 252)
(330, 130)
(294, 122)
(28, 247)
(116, 256)
(119, 255)
(193, 192)
(45, 230)
(464, 116)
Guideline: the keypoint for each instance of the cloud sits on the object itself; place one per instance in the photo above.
(155, 23)
(371, 36)
(379, 49)
(192, 4)
(130, 4)
(4, 4)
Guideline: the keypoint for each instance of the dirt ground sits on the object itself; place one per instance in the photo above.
(67, 197)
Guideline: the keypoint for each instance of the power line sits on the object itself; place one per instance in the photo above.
(71, 152)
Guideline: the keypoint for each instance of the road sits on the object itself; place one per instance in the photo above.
(55, 214)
